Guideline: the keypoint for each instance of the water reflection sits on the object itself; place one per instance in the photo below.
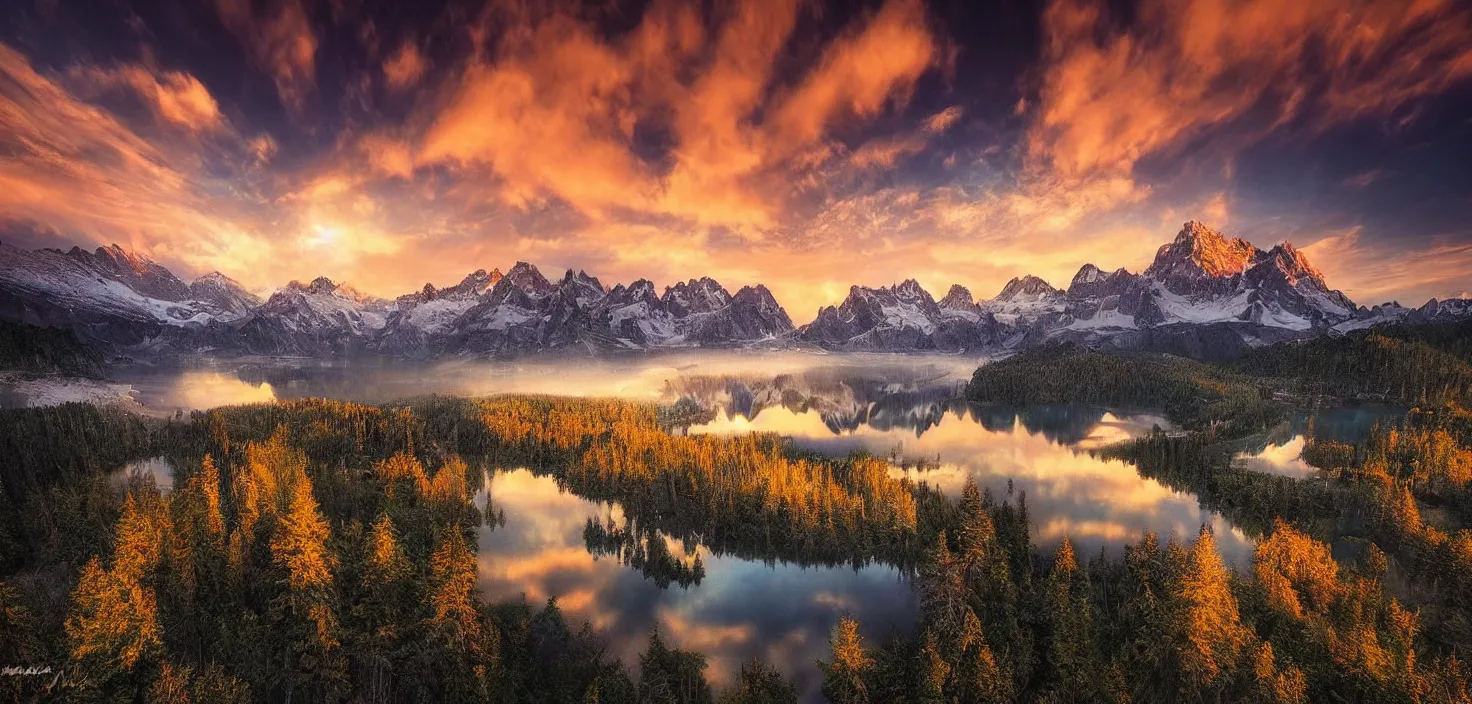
(1277, 458)
(1281, 450)
(1096, 503)
(159, 470)
(208, 383)
(905, 408)
(742, 608)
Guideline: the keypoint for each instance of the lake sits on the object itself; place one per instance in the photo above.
(905, 408)
(1281, 452)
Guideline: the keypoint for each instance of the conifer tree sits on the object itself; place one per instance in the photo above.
(672, 676)
(931, 671)
(759, 683)
(113, 626)
(463, 652)
(1276, 684)
(1070, 640)
(980, 678)
(380, 612)
(304, 609)
(114, 622)
(845, 677)
(1209, 636)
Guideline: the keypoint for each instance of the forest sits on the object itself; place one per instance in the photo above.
(324, 551)
(32, 349)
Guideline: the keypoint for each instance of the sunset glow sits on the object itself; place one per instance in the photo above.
(779, 142)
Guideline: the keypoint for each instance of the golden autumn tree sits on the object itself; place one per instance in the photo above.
(931, 671)
(1208, 633)
(1070, 616)
(845, 677)
(113, 625)
(463, 652)
(304, 610)
(979, 677)
(1274, 682)
(1296, 572)
(380, 611)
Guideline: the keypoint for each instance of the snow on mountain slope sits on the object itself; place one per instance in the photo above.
(1024, 300)
(1202, 292)
(901, 317)
(1203, 278)
(958, 303)
(325, 306)
(638, 317)
(226, 294)
(56, 285)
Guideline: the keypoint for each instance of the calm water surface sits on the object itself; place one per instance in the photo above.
(1282, 451)
(907, 409)
(741, 608)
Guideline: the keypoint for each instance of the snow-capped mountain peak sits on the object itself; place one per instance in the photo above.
(1026, 288)
(1200, 252)
(474, 284)
(1204, 288)
(225, 293)
(525, 277)
(1287, 259)
(911, 290)
(703, 295)
(958, 297)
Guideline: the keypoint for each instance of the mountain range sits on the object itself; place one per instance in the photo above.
(1204, 295)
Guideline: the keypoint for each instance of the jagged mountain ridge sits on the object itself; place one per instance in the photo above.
(1203, 294)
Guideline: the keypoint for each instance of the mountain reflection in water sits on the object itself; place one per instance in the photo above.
(1280, 451)
(907, 409)
(1097, 503)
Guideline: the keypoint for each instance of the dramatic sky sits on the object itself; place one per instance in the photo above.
(805, 145)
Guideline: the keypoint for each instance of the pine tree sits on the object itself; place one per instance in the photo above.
(1208, 633)
(980, 678)
(304, 609)
(113, 626)
(1275, 684)
(380, 612)
(760, 683)
(931, 671)
(845, 677)
(114, 622)
(1070, 640)
(464, 653)
(672, 676)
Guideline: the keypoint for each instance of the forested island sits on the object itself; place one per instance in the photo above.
(316, 551)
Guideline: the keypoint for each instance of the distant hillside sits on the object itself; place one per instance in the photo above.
(1398, 363)
(1194, 394)
(30, 348)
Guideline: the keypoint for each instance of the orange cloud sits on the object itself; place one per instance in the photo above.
(886, 151)
(553, 113)
(860, 73)
(387, 156)
(1370, 274)
(943, 120)
(1110, 97)
(279, 37)
(552, 116)
(405, 67)
(78, 169)
(173, 96)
